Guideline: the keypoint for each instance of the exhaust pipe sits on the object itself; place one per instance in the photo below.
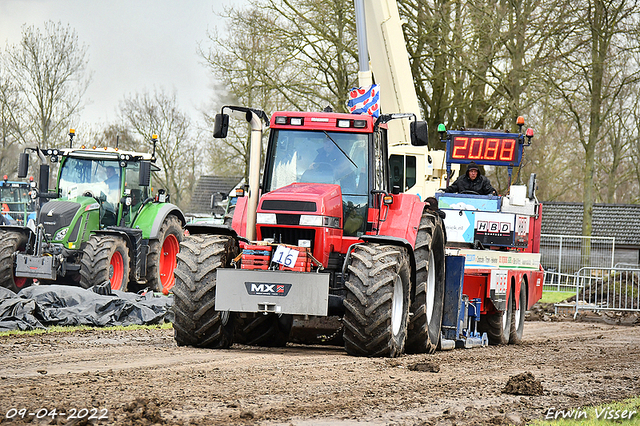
(254, 173)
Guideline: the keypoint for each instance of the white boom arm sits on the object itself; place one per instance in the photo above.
(380, 40)
(390, 63)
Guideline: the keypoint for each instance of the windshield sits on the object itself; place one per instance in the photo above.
(320, 157)
(14, 195)
(93, 178)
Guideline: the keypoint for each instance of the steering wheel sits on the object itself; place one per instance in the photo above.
(322, 167)
(320, 173)
(90, 194)
(102, 198)
(469, 192)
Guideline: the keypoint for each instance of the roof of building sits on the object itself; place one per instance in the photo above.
(206, 187)
(621, 221)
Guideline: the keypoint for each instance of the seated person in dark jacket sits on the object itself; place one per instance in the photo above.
(472, 181)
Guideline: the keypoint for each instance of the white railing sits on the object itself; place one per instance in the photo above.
(564, 255)
(605, 289)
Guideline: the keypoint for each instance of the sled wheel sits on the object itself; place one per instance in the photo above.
(377, 302)
(423, 333)
(498, 325)
(161, 260)
(517, 321)
(11, 242)
(269, 330)
(196, 322)
(105, 258)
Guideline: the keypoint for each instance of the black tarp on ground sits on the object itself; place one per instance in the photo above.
(47, 305)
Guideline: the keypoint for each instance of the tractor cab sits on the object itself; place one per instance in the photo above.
(107, 177)
(325, 154)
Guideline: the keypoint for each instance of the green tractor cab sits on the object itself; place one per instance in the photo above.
(101, 223)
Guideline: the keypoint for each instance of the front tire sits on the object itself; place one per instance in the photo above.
(428, 304)
(196, 322)
(377, 302)
(105, 258)
(11, 242)
(161, 260)
(517, 321)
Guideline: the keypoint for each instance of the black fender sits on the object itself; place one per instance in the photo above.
(211, 228)
(138, 248)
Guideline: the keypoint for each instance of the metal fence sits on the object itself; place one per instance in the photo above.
(605, 289)
(562, 256)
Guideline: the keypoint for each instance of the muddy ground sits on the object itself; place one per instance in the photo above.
(142, 377)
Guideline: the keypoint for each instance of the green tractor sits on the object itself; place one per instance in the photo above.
(101, 223)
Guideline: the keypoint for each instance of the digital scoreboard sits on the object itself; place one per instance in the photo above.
(496, 149)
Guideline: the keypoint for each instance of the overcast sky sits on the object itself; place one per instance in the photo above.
(133, 45)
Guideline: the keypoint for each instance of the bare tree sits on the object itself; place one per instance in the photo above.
(11, 112)
(49, 71)
(613, 171)
(595, 73)
(283, 54)
(157, 113)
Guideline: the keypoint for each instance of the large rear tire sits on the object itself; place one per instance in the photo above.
(269, 330)
(517, 321)
(498, 325)
(377, 303)
(10, 242)
(196, 322)
(161, 260)
(427, 307)
(105, 258)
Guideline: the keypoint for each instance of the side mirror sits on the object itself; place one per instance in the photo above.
(23, 165)
(144, 177)
(221, 126)
(419, 136)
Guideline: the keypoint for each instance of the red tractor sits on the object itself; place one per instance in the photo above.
(323, 235)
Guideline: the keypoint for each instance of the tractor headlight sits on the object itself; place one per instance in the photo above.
(266, 219)
(319, 221)
(61, 234)
(310, 220)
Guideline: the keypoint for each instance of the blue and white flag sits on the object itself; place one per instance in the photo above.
(365, 100)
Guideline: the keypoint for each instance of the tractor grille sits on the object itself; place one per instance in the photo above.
(288, 235)
(57, 214)
(289, 205)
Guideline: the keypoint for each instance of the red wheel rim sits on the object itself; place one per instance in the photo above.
(170, 249)
(20, 282)
(117, 270)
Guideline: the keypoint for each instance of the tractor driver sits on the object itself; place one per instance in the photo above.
(331, 162)
(472, 182)
(113, 178)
